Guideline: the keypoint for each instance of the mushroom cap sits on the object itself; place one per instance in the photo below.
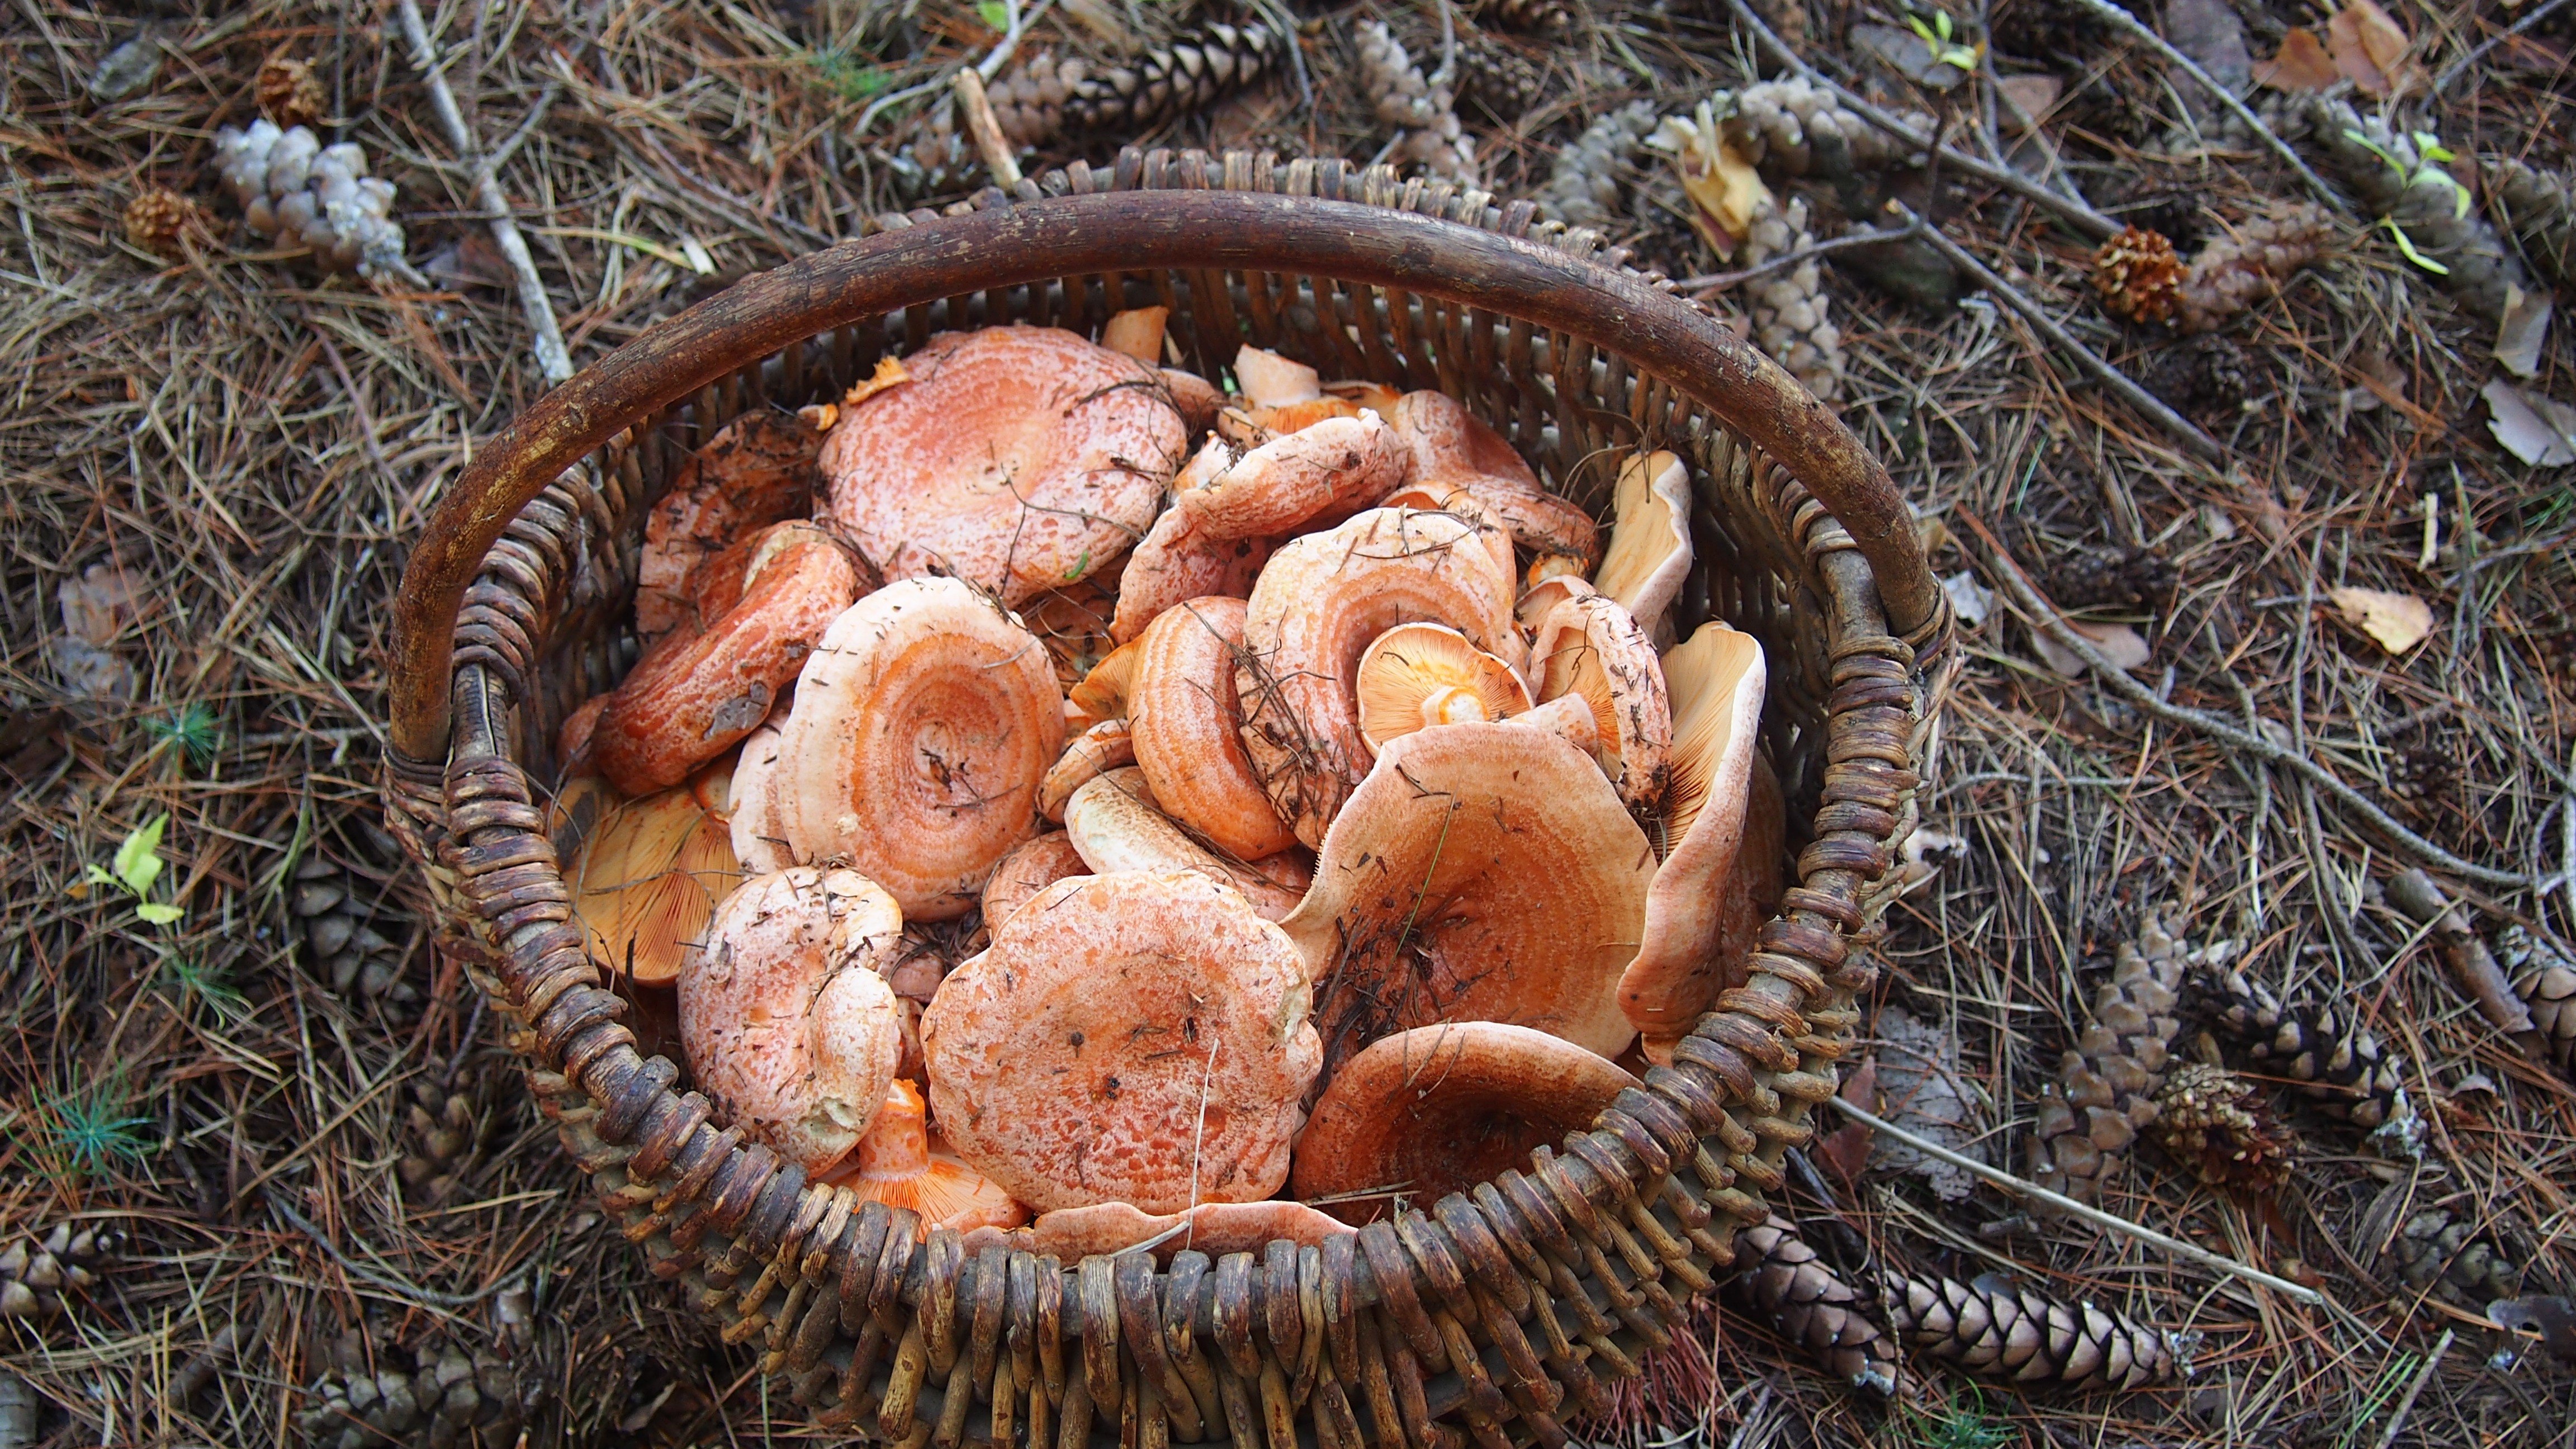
(1439, 1109)
(1717, 678)
(759, 838)
(1197, 399)
(1175, 564)
(758, 469)
(1102, 694)
(1018, 458)
(1588, 645)
(1539, 522)
(1214, 1228)
(1137, 1038)
(1462, 502)
(923, 725)
(1451, 444)
(1336, 464)
(1550, 566)
(1035, 865)
(1650, 543)
(1482, 872)
(573, 736)
(1541, 598)
(1101, 747)
(1428, 674)
(1269, 380)
(1320, 602)
(787, 1025)
(693, 696)
(1186, 725)
(896, 1164)
(1117, 824)
(645, 874)
(1137, 333)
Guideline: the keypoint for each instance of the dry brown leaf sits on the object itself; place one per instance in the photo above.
(2398, 622)
(2301, 64)
(2539, 430)
(2123, 646)
(1846, 1148)
(2028, 99)
(2371, 50)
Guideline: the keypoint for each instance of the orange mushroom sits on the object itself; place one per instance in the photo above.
(1035, 865)
(1338, 464)
(1177, 562)
(1018, 458)
(1197, 399)
(923, 725)
(1213, 1228)
(1138, 333)
(1452, 499)
(787, 1025)
(1452, 446)
(1550, 566)
(1185, 723)
(1428, 674)
(1138, 1038)
(757, 470)
(573, 736)
(1650, 543)
(693, 697)
(1117, 823)
(1717, 679)
(1101, 747)
(1482, 872)
(896, 1164)
(1320, 602)
(1438, 1109)
(1588, 645)
(645, 874)
(1269, 380)
(1540, 599)
(1102, 694)
(759, 838)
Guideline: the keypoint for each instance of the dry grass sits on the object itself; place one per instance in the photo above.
(252, 446)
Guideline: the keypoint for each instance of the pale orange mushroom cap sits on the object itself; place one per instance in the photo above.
(923, 726)
(759, 839)
(758, 469)
(1017, 458)
(1452, 444)
(1117, 823)
(1138, 1038)
(1415, 675)
(1335, 465)
(1438, 1109)
(1321, 601)
(1031, 868)
(1213, 1228)
(896, 1164)
(787, 1026)
(1178, 562)
(1650, 543)
(1137, 333)
(645, 874)
(1482, 872)
(1269, 380)
(1101, 747)
(1185, 723)
(1717, 679)
(1589, 646)
(1454, 499)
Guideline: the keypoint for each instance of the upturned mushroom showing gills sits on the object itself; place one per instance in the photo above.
(1438, 1109)
(1184, 721)
(1717, 679)
(787, 1025)
(1589, 646)
(1650, 544)
(756, 470)
(1415, 675)
(1321, 600)
(896, 1164)
(1482, 872)
(1138, 1038)
(645, 874)
(923, 725)
(1017, 458)
(695, 695)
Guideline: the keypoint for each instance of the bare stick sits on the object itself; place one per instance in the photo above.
(553, 359)
(2452, 71)
(2182, 429)
(2023, 1187)
(2472, 965)
(986, 128)
(2406, 1405)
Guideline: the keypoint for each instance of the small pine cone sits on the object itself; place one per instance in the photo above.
(2016, 1332)
(2231, 273)
(2208, 373)
(1795, 128)
(37, 1276)
(1029, 103)
(1544, 17)
(441, 1397)
(290, 93)
(1789, 306)
(2215, 1123)
(2381, 166)
(1172, 80)
(2331, 1057)
(2422, 778)
(1780, 1278)
(2139, 276)
(2120, 577)
(443, 1134)
(2438, 1252)
(1425, 116)
(1502, 80)
(1583, 187)
(352, 935)
(2105, 1088)
(2545, 978)
(2540, 210)
(160, 221)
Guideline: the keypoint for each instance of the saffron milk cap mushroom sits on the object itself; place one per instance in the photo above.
(1269, 380)
(1540, 599)
(1018, 458)
(1139, 1037)
(1101, 747)
(759, 840)
(1185, 723)
(787, 1024)
(645, 874)
(1102, 692)
(1038, 863)
(1321, 600)
(897, 1165)
(1451, 444)
(1116, 823)
(1428, 674)
(1338, 464)
(1176, 561)
(1138, 333)
(757, 470)
(1482, 872)
(1650, 543)
(923, 725)
(1717, 677)
(1589, 646)
(1438, 1109)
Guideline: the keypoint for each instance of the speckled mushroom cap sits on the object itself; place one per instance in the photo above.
(1321, 600)
(756, 470)
(1330, 467)
(923, 726)
(1116, 823)
(787, 1025)
(1589, 646)
(1017, 458)
(1439, 1109)
(1036, 864)
(1138, 1038)
(1184, 721)
(1482, 872)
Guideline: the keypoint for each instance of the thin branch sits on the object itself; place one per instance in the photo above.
(986, 128)
(1716, 282)
(2452, 71)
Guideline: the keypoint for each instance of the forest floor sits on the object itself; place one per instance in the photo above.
(280, 1131)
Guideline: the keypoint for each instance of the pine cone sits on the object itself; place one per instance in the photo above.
(438, 1397)
(2327, 1053)
(1583, 187)
(2215, 1123)
(342, 911)
(1794, 128)
(2387, 175)
(1500, 79)
(2422, 778)
(2017, 1332)
(2105, 1088)
(1425, 116)
(2540, 210)
(290, 93)
(2118, 577)
(2232, 272)
(2545, 978)
(2139, 276)
(1048, 95)
(157, 220)
(1780, 1278)
(36, 1276)
(298, 192)
(2208, 373)
(443, 1134)
(1543, 16)
(2440, 1252)
(1788, 306)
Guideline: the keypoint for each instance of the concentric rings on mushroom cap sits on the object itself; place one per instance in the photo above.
(1018, 458)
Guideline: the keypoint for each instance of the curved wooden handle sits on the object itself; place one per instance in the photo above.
(1130, 230)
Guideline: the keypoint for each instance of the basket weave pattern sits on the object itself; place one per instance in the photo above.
(1497, 1314)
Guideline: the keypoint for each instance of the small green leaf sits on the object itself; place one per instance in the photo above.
(1921, 29)
(99, 877)
(2406, 244)
(159, 913)
(1941, 23)
(996, 15)
(137, 864)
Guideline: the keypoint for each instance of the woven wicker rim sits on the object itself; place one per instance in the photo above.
(1504, 1308)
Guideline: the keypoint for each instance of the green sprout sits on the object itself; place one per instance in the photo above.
(2431, 157)
(92, 1130)
(136, 866)
(2406, 244)
(1961, 1425)
(1938, 39)
(995, 15)
(186, 976)
(850, 77)
(192, 729)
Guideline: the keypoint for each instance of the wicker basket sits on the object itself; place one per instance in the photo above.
(1502, 1313)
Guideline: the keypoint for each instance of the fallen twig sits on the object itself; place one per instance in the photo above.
(1709, 285)
(2472, 965)
(2452, 71)
(986, 128)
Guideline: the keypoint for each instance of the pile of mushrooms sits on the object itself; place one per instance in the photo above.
(1061, 798)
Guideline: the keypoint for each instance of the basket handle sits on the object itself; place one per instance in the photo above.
(1130, 230)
